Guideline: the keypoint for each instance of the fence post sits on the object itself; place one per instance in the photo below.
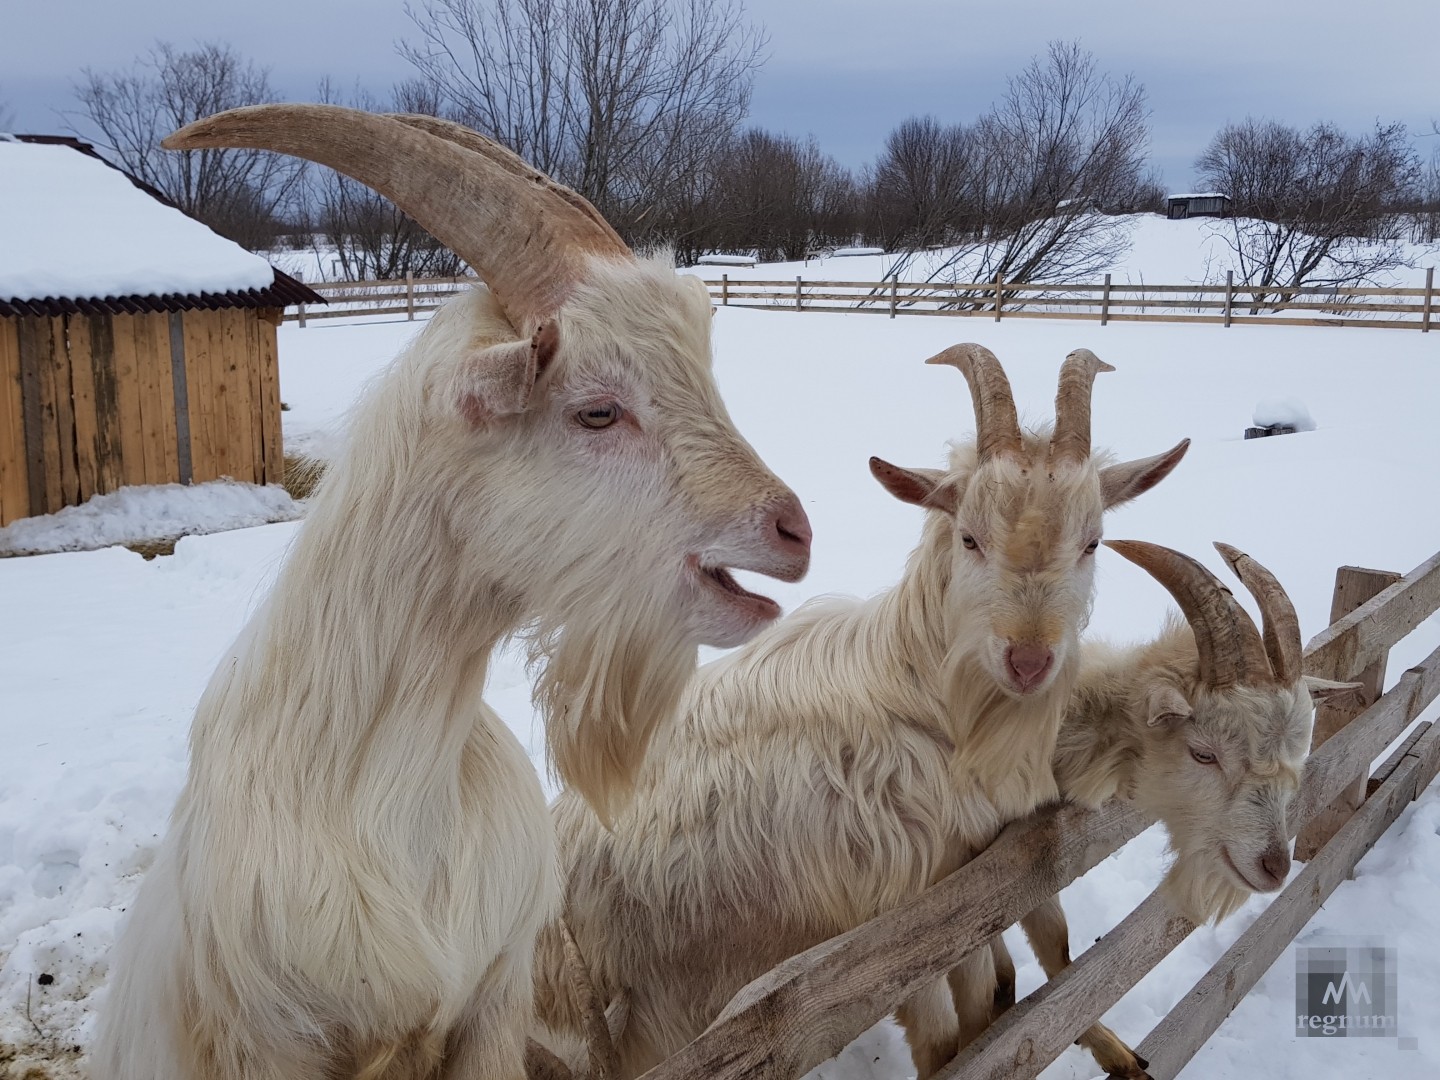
(1429, 300)
(410, 295)
(1229, 293)
(1353, 586)
(999, 280)
(894, 287)
(302, 315)
(725, 290)
(797, 292)
(1105, 303)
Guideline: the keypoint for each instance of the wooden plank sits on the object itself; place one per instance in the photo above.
(1353, 587)
(1363, 636)
(180, 391)
(251, 365)
(1031, 1034)
(109, 449)
(1429, 300)
(14, 472)
(224, 448)
(1185, 1029)
(63, 394)
(127, 398)
(158, 327)
(1386, 769)
(806, 1010)
(82, 383)
(152, 409)
(200, 398)
(271, 416)
(230, 324)
(42, 444)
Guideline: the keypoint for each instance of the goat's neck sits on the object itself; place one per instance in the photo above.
(1105, 735)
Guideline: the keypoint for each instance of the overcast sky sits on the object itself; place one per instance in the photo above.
(845, 70)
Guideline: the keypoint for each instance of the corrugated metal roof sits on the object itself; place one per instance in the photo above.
(283, 291)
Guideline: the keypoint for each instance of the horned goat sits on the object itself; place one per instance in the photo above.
(1205, 728)
(360, 860)
(857, 751)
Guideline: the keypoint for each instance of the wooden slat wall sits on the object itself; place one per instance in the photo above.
(88, 404)
(14, 476)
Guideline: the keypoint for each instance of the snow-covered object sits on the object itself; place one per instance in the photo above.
(1289, 412)
(156, 512)
(725, 260)
(852, 252)
(73, 227)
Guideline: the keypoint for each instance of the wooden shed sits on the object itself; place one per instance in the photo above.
(1197, 204)
(136, 345)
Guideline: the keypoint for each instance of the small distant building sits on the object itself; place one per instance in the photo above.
(1197, 204)
(136, 345)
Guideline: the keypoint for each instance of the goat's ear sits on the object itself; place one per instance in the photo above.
(1322, 690)
(1166, 705)
(497, 381)
(919, 487)
(1121, 483)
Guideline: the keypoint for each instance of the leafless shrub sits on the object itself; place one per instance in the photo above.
(238, 193)
(1315, 208)
(624, 100)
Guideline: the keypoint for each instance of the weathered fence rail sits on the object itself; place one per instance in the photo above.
(1107, 301)
(807, 1009)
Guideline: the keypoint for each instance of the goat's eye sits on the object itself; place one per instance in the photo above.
(1204, 757)
(599, 416)
(1092, 547)
(969, 542)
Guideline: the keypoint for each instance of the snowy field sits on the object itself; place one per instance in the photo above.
(103, 655)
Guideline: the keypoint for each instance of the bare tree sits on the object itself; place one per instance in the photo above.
(1034, 176)
(368, 235)
(917, 190)
(1313, 208)
(623, 100)
(238, 193)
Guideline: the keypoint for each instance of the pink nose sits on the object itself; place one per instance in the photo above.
(1028, 664)
(1275, 865)
(792, 526)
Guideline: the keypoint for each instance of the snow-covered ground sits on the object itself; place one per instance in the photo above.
(103, 655)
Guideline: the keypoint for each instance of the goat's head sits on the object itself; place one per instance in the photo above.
(1225, 742)
(1021, 521)
(572, 428)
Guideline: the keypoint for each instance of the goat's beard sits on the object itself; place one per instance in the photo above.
(605, 682)
(1202, 890)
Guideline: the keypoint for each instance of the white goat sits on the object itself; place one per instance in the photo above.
(359, 862)
(857, 751)
(1205, 728)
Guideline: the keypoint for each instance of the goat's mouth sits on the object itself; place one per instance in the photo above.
(721, 583)
(1244, 881)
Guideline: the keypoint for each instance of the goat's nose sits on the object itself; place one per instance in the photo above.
(792, 525)
(1028, 663)
(1275, 865)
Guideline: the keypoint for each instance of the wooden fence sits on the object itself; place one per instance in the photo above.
(810, 1007)
(92, 403)
(1227, 305)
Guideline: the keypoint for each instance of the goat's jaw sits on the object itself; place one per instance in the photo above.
(724, 613)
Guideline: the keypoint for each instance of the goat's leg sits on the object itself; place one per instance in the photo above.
(1049, 935)
(1004, 975)
(929, 1023)
(489, 1044)
(972, 993)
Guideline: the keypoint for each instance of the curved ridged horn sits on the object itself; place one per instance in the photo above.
(604, 1060)
(1281, 624)
(997, 428)
(526, 236)
(1229, 646)
(1071, 440)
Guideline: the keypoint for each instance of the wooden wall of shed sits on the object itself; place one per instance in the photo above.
(92, 403)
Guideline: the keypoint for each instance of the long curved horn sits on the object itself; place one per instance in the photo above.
(526, 239)
(997, 429)
(1071, 440)
(1229, 646)
(604, 1060)
(1281, 624)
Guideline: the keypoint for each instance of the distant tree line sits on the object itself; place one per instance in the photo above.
(640, 106)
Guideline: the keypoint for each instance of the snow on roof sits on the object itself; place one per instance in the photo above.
(1201, 195)
(71, 226)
